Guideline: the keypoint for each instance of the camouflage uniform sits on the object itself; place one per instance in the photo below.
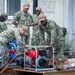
(2, 23)
(23, 19)
(37, 37)
(60, 44)
(5, 38)
(2, 26)
(54, 36)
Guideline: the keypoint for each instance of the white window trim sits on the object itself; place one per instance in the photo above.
(9, 17)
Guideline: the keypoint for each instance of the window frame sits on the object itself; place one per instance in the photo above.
(9, 17)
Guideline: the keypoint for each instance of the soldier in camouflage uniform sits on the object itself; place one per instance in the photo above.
(3, 18)
(6, 37)
(23, 18)
(54, 35)
(37, 37)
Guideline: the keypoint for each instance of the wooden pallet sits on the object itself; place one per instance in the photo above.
(54, 72)
(10, 70)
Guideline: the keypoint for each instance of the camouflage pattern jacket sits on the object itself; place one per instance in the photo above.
(2, 26)
(9, 35)
(23, 19)
(37, 35)
(53, 31)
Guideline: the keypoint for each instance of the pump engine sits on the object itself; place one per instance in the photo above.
(38, 58)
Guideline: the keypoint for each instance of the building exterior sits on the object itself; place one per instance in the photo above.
(61, 11)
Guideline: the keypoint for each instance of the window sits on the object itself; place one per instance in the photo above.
(12, 6)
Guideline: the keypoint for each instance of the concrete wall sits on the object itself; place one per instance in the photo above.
(1, 6)
(53, 9)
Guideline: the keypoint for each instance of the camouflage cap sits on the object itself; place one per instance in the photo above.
(26, 5)
(38, 8)
(5, 15)
(24, 28)
(41, 17)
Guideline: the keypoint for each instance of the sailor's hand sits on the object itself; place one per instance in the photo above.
(43, 44)
(51, 45)
(26, 46)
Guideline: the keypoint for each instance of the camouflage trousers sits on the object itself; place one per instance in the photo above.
(59, 49)
(4, 53)
(60, 55)
(57, 53)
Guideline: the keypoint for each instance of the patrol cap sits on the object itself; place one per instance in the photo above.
(26, 5)
(4, 15)
(38, 8)
(41, 17)
(24, 28)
